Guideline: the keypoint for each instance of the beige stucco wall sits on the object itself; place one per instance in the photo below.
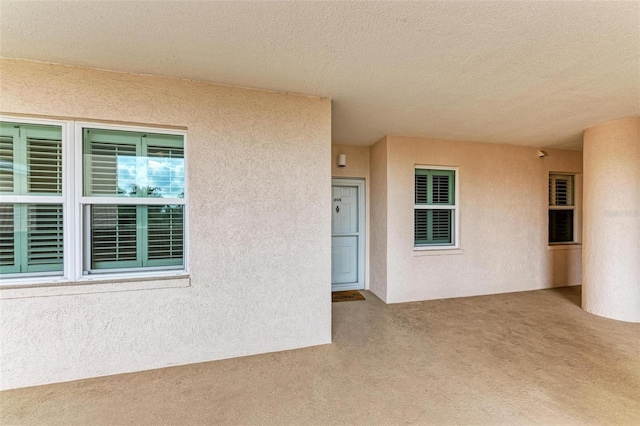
(612, 220)
(503, 194)
(259, 207)
(378, 214)
(358, 164)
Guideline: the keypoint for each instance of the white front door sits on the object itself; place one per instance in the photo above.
(347, 235)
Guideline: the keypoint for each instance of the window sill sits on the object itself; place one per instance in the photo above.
(428, 251)
(568, 246)
(103, 284)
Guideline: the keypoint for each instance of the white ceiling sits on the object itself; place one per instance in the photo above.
(527, 73)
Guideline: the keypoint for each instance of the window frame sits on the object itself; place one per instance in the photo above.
(455, 228)
(571, 207)
(73, 199)
(64, 198)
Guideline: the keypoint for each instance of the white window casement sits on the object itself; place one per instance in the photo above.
(436, 213)
(86, 201)
(561, 209)
(31, 198)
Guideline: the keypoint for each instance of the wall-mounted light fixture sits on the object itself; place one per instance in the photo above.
(541, 153)
(342, 160)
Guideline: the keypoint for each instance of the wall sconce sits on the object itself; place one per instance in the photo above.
(342, 160)
(541, 153)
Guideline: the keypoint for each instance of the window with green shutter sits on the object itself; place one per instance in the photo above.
(434, 207)
(134, 191)
(31, 211)
(97, 200)
(561, 209)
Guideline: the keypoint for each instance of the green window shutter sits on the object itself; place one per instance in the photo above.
(441, 226)
(136, 236)
(44, 239)
(43, 158)
(421, 226)
(30, 159)
(7, 160)
(31, 235)
(31, 238)
(433, 226)
(442, 187)
(134, 164)
(8, 240)
(166, 167)
(434, 188)
(421, 187)
(114, 235)
(165, 235)
(110, 163)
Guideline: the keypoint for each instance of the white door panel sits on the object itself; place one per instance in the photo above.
(344, 262)
(345, 210)
(347, 265)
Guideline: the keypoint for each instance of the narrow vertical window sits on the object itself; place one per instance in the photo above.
(31, 225)
(434, 207)
(561, 208)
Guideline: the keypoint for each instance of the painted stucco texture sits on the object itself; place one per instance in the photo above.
(259, 237)
(503, 203)
(358, 166)
(612, 220)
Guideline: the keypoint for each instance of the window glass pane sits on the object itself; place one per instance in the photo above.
(560, 226)
(441, 226)
(31, 238)
(561, 190)
(441, 187)
(132, 164)
(112, 170)
(6, 163)
(434, 187)
(30, 159)
(114, 237)
(44, 237)
(421, 227)
(136, 236)
(44, 161)
(165, 171)
(433, 226)
(166, 234)
(7, 239)
(421, 182)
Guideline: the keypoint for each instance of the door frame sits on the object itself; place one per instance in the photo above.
(362, 231)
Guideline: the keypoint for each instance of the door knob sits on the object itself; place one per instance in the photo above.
(337, 209)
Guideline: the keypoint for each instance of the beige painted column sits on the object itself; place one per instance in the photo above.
(611, 224)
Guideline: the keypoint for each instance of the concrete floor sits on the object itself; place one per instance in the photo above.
(518, 358)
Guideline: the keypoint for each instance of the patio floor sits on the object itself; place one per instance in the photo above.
(532, 357)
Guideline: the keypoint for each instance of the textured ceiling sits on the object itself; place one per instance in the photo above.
(527, 73)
